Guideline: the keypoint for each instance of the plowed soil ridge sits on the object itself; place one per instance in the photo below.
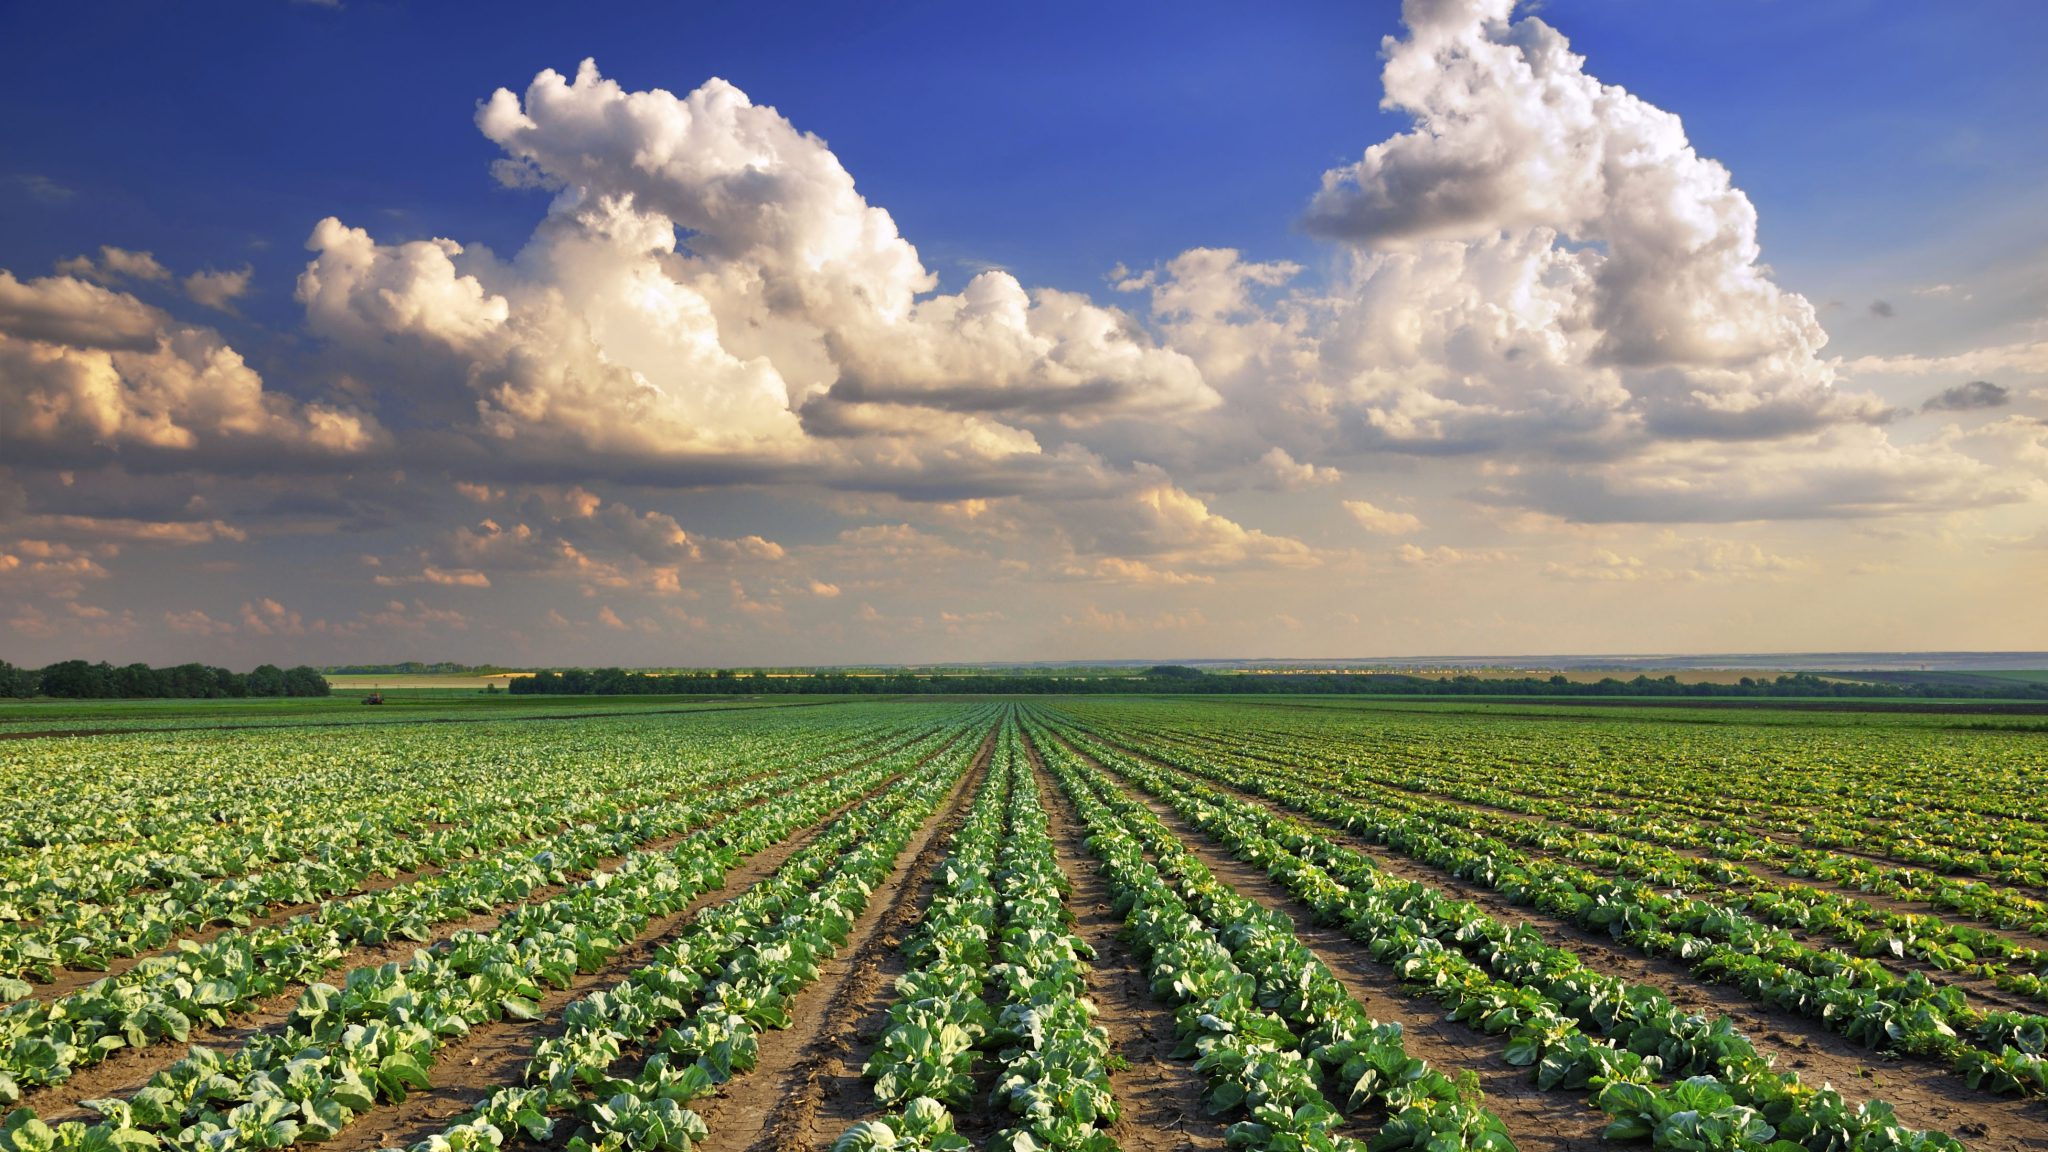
(780, 1104)
(1925, 1097)
(495, 1054)
(128, 1069)
(1158, 1094)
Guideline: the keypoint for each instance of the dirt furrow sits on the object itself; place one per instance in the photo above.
(783, 1103)
(1158, 1094)
(1925, 1096)
(1762, 869)
(495, 1054)
(1537, 1121)
(68, 980)
(859, 1012)
(128, 1069)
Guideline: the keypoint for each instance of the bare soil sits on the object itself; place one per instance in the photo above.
(806, 1086)
(1158, 1094)
(1546, 1121)
(129, 1069)
(1925, 1096)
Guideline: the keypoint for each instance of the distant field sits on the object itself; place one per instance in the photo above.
(2030, 676)
(1595, 675)
(474, 683)
(28, 718)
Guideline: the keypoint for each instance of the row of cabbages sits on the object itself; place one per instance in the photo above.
(374, 1038)
(1648, 850)
(1275, 1034)
(1911, 1014)
(80, 913)
(633, 1056)
(165, 996)
(1680, 1080)
(997, 982)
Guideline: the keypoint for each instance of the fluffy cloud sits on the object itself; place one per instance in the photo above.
(128, 528)
(67, 310)
(1848, 473)
(116, 264)
(1542, 263)
(1381, 521)
(85, 369)
(1282, 470)
(219, 289)
(1445, 556)
(1164, 523)
(1693, 561)
(575, 536)
(793, 325)
(355, 289)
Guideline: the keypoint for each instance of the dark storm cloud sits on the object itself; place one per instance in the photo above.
(1971, 397)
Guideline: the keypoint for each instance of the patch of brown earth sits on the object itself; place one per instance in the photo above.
(1158, 1094)
(129, 1069)
(1536, 1120)
(1925, 1097)
(800, 1079)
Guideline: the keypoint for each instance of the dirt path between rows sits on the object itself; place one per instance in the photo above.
(1762, 869)
(799, 1082)
(1925, 1096)
(1987, 992)
(1158, 1094)
(129, 1069)
(496, 1054)
(69, 980)
(383, 721)
(830, 1092)
(1537, 1121)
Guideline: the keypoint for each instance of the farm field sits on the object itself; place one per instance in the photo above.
(1054, 923)
(39, 718)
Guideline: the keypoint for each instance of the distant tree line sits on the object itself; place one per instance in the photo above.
(1178, 679)
(79, 680)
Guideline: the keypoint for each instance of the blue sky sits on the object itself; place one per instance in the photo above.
(1893, 155)
(1054, 139)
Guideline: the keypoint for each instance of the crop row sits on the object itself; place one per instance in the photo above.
(88, 933)
(995, 978)
(97, 821)
(373, 1039)
(1532, 789)
(1274, 1033)
(633, 1056)
(1998, 1051)
(164, 996)
(1869, 931)
(1813, 806)
(1682, 1081)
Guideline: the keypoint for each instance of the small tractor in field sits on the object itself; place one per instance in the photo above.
(374, 698)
